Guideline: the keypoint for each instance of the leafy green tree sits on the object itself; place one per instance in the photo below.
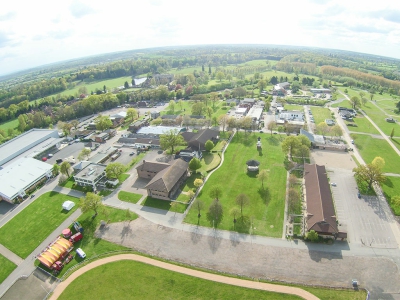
(194, 164)
(392, 133)
(198, 183)
(336, 130)
(103, 122)
(209, 145)
(261, 85)
(215, 192)
(355, 102)
(290, 144)
(215, 212)
(91, 202)
(293, 198)
(65, 168)
(199, 206)
(303, 151)
(370, 173)
(126, 85)
(131, 113)
(171, 139)
(322, 128)
(171, 106)
(242, 200)
(239, 92)
(114, 170)
(198, 109)
(312, 235)
(223, 121)
(22, 123)
(55, 170)
(395, 200)
(271, 126)
(220, 75)
(84, 154)
(262, 176)
(234, 212)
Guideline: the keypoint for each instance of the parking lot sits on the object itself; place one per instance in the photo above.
(366, 220)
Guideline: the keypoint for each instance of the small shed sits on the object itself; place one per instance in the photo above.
(252, 165)
(68, 205)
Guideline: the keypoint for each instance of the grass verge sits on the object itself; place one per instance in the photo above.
(129, 197)
(6, 268)
(35, 223)
(164, 204)
(391, 188)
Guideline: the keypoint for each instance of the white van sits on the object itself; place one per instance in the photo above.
(80, 252)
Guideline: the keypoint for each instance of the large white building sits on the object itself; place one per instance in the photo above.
(16, 178)
(29, 144)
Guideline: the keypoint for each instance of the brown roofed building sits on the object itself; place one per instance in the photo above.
(321, 215)
(149, 169)
(198, 140)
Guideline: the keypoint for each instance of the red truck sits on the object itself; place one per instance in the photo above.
(76, 237)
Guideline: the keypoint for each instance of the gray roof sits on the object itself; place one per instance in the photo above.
(21, 174)
(90, 172)
(153, 166)
(26, 141)
(157, 129)
(166, 179)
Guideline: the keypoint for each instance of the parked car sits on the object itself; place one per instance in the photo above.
(132, 153)
(81, 253)
(333, 184)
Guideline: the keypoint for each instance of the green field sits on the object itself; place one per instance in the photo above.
(118, 279)
(294, 107)
(378, 117)
(391, 187)
(370, 148)
(35, 223)
(363, 125)
(164, 204)
(209, 162)
(13, 124)
(6, 268)
(320, 114)
(129, 197)
(266, 205)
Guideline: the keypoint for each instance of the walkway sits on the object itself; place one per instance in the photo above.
(10, 255)
(199, 274)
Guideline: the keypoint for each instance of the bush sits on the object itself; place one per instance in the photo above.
(312, 236)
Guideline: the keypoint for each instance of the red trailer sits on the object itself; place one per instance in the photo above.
(76, 237)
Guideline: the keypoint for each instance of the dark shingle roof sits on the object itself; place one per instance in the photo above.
(166, 179)
(320, 210)
(152, 166)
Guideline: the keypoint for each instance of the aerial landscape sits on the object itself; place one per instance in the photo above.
(153, 156)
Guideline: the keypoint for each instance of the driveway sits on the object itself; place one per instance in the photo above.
(333, 159)
(366, 220)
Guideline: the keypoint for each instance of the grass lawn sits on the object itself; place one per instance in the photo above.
(13, 124)
(370, 148)
(294, 107)
(266, 206)
(379, 119)
(70, 183)
(363, 125)
(129, 197)
(345, 103)
(149, 282)
(189, 184)
(320, 114)
(123, 177)
(34, 224)
(91, 245)
(391, 187)
(6, 268)
(209, 162)
(164, 204)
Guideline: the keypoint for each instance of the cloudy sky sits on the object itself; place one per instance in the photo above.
(33, 33)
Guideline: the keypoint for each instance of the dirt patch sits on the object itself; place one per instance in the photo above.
(333, 159)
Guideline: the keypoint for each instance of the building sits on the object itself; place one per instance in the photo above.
(90, 175)
(320, 91)
(33, 143)
(197, 140)
(158, 130)
(255, 113)
(280, 89)
(320, 215)
(137, 125)
(20, 176)
(103, 155)
(166, 179)
(101, 137)
(292, 115)
(154, 114)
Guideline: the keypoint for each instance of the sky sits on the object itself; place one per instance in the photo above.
(34, 33)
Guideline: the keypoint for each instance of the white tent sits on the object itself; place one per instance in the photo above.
(68, 205)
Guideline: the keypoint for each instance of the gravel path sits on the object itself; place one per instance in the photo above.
(242, 257)
(208, 276)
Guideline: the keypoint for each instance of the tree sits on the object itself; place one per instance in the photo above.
(292, 180)
(131, 113)
(171, 139)
(194, 164)
(234, 212)
(84, 154)
(103, 122)
(91, 202)
(180, 102)
(65, 168)
(21, 123)
(239, 92)
(371, 94)
(355, 102)
(220, 75)
(395, 200)
(171, 106)
(271, 126)
(303, 151)
(242, 200)
(293, 198)
(262, 176)
(56, 170)
(370, 173)
(215, 212)
(290, 144)
(198, 205)
(312, 235)
(261, 85)
(392, 133)
(337, 130)
(379, 162)
(75, 124)
(126, 85)
(223, 121)
(198, 183)
(114, 170)
(209, 145)
(215, 192)
(322, 128)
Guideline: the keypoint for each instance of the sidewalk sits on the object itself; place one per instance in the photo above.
(10, 255)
